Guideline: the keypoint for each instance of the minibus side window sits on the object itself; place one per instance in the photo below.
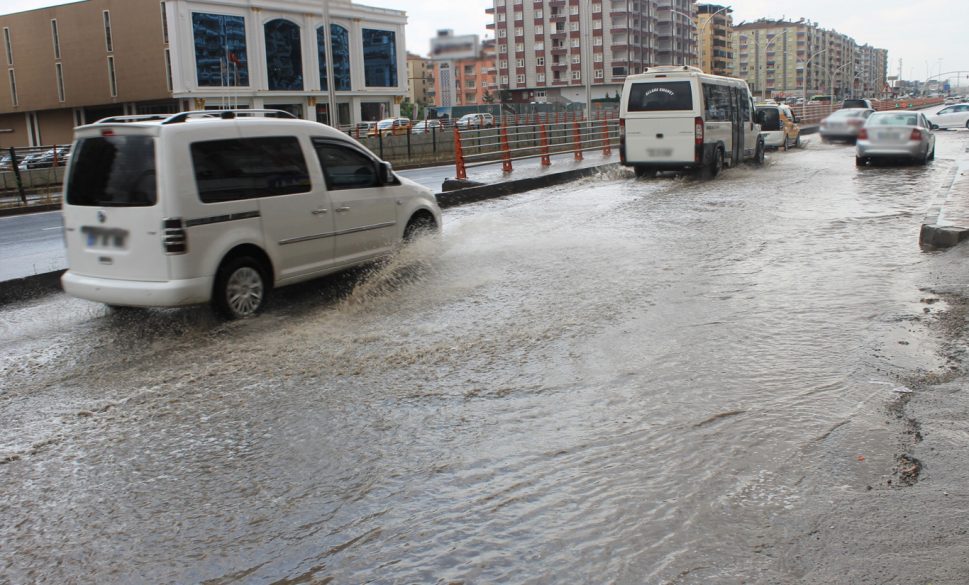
(345, 167)
(246, 168)
(718, 106)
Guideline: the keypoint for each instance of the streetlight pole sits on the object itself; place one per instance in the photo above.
(804, 79)
(673, 30)
(699, 37)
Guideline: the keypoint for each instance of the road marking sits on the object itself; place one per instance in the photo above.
(51, 228)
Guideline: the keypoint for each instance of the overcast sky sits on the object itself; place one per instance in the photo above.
(919, 32)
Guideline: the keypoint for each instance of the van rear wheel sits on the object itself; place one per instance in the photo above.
(713, 168)
(240, 288)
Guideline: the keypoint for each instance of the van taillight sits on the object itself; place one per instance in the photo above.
(622, 141)
(863, 134)
(176, 239)
(698, 140)
(916, 134)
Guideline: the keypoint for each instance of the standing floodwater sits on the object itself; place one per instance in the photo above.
(612, 381)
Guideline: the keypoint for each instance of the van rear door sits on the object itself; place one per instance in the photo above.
(112, 215)
(660, 122)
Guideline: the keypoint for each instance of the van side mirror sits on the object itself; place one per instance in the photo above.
(935, 126)
(386, 172)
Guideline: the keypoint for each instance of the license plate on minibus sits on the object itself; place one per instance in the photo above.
(663, 152)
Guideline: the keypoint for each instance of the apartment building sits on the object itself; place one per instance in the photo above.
(464, 70)
(714, 25)
(569, 51)
(71, 64)
(420, 87)
(784, 58)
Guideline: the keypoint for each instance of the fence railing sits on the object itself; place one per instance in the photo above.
(37, 169)
(534, 139)
(814, 113)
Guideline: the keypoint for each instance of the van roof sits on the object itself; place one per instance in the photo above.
(677, 71)
(155, 123)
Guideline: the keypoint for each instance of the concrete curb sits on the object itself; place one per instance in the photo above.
(932, 235)
(495, 190)
(29, 287)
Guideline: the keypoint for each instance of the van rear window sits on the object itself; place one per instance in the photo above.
(246, 168)
(664, 96)
(113, 171)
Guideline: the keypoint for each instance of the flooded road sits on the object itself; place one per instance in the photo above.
(611, 381)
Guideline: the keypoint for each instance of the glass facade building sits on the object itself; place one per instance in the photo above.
(379, 58)
(221, 59)
(340, 51)
(284, 57)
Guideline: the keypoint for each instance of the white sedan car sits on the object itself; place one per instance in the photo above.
(955, 116)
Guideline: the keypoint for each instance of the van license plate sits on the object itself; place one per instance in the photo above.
(104, 237)
(659, 152)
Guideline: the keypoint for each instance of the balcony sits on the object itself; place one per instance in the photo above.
(490, 10)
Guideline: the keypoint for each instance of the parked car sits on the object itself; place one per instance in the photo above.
(365, 129)
(475, 121)
(778, 125)
(896, 135)
(5, 164)
(392, 127)
(955, 116)
(426, 126)
(57, 156)
(844, 124)
(821, 99)
(196, 208)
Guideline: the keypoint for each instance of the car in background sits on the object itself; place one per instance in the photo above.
(896, 135)
(475, 121)
(427, 126)
(778, 125)
(5, 164)
(954, 116)
(844, 124)
(821, 99)
(365, 128)
(857, 103)
(392, 127)
(57, 156)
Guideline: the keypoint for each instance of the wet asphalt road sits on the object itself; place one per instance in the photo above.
(612, 381)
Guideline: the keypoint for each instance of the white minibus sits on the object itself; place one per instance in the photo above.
(677, 118)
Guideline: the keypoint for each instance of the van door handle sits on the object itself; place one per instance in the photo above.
(319, 211)
(342, 209)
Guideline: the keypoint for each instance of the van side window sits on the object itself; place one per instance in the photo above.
(663, 96)
(345, 167)
(717, 103)
(246, 168)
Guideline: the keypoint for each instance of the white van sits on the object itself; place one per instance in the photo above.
(679, 118)
(222, 206)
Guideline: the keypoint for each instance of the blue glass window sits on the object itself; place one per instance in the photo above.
(284, 58)
(321, 51)
(220, 50)
(340, 52)
(379, 58)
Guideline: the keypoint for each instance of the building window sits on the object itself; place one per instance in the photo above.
(380, 58)
(539, 29)
(596, 24)
(164, 15)
(574, 26)
(576, 75)
(340, 54)
(541, 78)
(321, 55)
(112, 79)
(57, 39)
(108, 41)
(502, 48)
(519, 31)
(59, 71)
(519, 47)
(539, 14)
(540, 46)
(501, 17)
(596, 7)
(284, 57)
(504, 80)
(599, 74)
(520, 79)
(575, 43)
(540, 61)
(518, 15)
(597, 57)
(575, 60)
(502, 33)
(520, 63)
(8, 45)
(220, 50)
(13, 87)
(168, 69)
(597, 41)
(574, 9)
(503, 64)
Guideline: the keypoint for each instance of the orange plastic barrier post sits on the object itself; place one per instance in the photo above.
(505, 152)
(546, 161)
(460, 172)
(577, 138)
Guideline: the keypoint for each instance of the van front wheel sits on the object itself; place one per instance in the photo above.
(713, 168)
(240, 288)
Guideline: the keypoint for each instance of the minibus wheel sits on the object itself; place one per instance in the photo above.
(240, 287)
(712, 170)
